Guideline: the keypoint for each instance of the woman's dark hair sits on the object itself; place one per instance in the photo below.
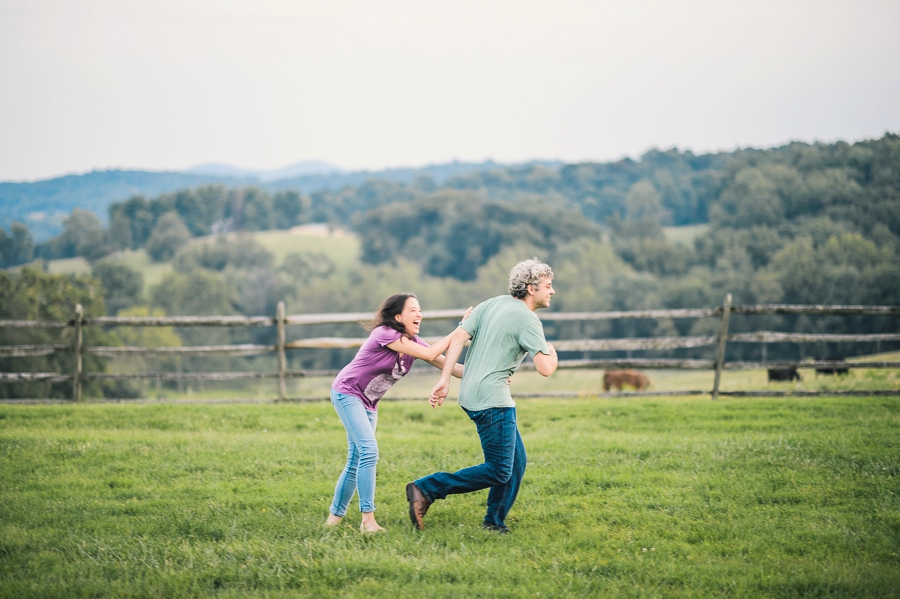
(390, 308)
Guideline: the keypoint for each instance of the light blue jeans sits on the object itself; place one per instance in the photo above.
(362, 455)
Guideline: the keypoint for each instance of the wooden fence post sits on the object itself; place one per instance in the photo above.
(282, 359)
(720, 352)
(79, 341)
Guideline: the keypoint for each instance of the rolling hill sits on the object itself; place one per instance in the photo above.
(43, 205)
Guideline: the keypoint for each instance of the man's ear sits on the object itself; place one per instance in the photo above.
(531, 289)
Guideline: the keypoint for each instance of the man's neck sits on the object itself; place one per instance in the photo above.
(528, 300)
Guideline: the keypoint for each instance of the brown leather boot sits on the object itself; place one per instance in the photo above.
(418, 505)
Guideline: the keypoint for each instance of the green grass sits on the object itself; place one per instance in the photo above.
(342, 246)
(622, 498)
(74, 266)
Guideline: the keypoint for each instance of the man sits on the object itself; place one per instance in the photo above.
(502, 330)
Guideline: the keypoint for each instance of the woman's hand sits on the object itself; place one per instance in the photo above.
(467, 314)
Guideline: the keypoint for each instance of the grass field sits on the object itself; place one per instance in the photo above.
(622, 498)
(686, 234)
(341, 246)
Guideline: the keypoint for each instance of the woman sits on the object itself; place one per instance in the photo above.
(385, 358)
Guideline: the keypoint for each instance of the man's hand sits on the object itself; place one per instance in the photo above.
(439, 393)
(458, 340)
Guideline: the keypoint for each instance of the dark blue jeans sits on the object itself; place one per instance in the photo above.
(502, 470)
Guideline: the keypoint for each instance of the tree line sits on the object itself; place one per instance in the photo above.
(771, 192)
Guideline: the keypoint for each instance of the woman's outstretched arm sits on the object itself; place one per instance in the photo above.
(439, 364)
(403, 345)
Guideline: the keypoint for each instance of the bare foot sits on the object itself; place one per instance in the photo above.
(369, 524)
(333, 520)
(371, 527)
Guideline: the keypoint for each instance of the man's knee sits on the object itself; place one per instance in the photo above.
(500, 473)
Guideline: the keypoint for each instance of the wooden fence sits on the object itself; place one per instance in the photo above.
(282, 345)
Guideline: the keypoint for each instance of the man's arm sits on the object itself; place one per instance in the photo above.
(458, 340)
(546, 364)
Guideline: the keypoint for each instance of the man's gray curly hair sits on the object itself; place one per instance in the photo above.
(525, 273)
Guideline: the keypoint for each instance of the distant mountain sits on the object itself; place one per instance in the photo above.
(300, 169)
(43, 205)
(440, 173)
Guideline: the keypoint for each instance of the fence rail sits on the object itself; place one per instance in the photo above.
(281, 346)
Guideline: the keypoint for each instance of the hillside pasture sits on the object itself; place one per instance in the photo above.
(685, 234)
(622, 498)
(341, 247)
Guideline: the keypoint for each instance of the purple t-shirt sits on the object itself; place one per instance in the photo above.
(375, 368)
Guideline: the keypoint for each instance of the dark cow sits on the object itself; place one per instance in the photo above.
(784, 374)
(625, 378)
(836, 369)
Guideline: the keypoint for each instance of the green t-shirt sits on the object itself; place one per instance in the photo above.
(503, 330)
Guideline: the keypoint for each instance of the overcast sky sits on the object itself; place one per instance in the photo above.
(167, 84)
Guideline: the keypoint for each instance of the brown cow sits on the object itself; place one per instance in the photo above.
(625, 378)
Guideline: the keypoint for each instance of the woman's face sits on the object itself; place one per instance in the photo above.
(411, 317)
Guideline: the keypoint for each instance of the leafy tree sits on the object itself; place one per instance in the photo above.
(643, 213)
(656, 255)
(304, 266)
(759, 242)
(169, 236)
(199, 293)
(200, 208)
(235, 251)
(345, 205)
(256, 210)
(753, 198)
(259, 290)
(17, 248)
(32, 294)
(832, 273)
(119, 233)
(123, 285)
(288, 209)
(6, 249)
(452, 234)
(136, 212)
(83, 236)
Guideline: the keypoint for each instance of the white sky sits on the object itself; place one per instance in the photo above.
(167, 84)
